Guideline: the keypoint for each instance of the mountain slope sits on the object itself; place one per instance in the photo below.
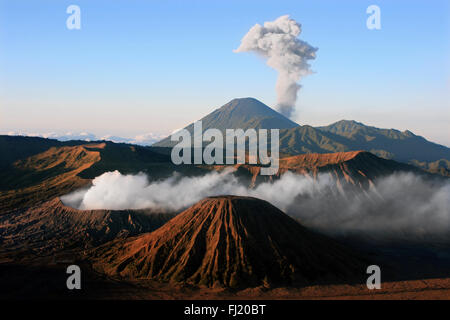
(388, 143)
(355, 167)
(13, 148)
(307, 139)
(351, 169)
(241, 113)
(441, 166)
(246, 113)
(45, 175)
(53, 227)
(233, 242)
(61, 169)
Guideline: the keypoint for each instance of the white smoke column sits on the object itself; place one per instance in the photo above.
(277, 41)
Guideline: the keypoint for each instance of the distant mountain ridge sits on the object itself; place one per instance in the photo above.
(388, 143)
(43, 175)
(341, 136)
(245, 113)
(350, 169)
(146, 139)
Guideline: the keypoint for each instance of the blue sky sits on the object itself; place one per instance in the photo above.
(154, 66)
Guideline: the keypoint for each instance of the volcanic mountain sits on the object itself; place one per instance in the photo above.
(230, 241)
(342, 136)
(243, 113)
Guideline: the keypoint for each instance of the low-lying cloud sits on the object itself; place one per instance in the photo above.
(400, 205)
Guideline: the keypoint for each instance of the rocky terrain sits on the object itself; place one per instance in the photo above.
(51, 228)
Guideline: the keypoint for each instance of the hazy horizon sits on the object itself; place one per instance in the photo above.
(137, 68)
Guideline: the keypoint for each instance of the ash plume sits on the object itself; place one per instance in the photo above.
(278, 42)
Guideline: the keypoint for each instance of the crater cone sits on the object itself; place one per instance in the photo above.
(231, 241)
